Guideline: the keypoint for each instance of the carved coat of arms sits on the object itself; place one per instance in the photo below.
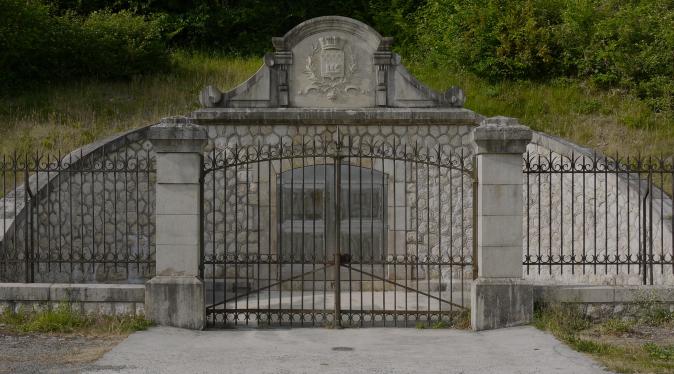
(332, 69)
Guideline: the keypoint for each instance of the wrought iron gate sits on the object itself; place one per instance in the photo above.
(336, 233)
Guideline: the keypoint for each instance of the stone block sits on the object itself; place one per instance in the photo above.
(178, 168)
(499, 169)
(499, 303)
(178, 260)
(177, 229)
(100, 308)
(175, 301)
(177, 198)
(124, 309)
(65, 292)
(140, 308)
(499, 200)
(499, 231)
(24, 291)
(500, 262)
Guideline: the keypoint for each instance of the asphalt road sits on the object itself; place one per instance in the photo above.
(367, 350)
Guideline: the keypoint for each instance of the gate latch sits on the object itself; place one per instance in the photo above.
(345, 258)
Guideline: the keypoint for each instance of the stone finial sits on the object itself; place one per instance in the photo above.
(501, 135)
(209, 97)
(177, 134)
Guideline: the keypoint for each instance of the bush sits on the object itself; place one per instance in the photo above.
(496, 39)
(37, 46)
(632, 48)
(613, 43)
(123, 45)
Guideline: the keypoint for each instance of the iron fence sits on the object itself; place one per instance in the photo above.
(598, 219)
(332, 233)
(78, 218)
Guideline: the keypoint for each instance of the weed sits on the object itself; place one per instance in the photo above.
(659, 352)
(567, 323)
(65, 319)
(462, 320)
(440, 325)
(616, 326)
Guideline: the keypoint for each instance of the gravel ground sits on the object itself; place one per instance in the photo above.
(50, 353)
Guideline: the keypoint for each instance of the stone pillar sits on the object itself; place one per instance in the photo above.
(175, 296)
(499, 296)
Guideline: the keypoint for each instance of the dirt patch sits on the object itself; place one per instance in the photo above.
(51, 353)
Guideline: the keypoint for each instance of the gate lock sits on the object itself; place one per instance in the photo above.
(345, 258)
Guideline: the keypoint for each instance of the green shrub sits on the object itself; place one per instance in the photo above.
(123, 45)
(613, 43)
(495, 39)
(28, 40)
(632, 48)
(37, 46)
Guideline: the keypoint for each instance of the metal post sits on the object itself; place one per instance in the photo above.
(644, 229)
(338, 265)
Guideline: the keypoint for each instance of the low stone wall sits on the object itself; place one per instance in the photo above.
(106, 299)
(601, 302)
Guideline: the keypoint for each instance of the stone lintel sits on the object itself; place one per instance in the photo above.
(328, 116)
(500, 302)
(501, 135)
(177, 135)
(176, 301)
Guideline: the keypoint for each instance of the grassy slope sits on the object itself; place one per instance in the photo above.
(62, 117)
(610, 121)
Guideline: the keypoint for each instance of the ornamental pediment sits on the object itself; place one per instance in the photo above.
(331, 62)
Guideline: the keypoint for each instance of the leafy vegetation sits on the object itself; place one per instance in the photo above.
(64, 319)
(38, 46)
(612, 43)
(597, 72)
(638, 355)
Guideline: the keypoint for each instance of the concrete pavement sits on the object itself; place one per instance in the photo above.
(352, 351)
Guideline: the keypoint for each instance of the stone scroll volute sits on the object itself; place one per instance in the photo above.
(331, 62)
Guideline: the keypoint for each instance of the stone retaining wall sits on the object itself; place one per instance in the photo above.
(106, 299)
(602, 302)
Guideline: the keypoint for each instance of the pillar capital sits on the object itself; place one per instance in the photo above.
(177, 135)
(503, 135)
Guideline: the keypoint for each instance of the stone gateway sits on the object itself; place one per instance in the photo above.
(337, 190)
(333, 189)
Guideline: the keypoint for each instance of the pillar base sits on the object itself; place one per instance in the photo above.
(176, 301)
(500, 302)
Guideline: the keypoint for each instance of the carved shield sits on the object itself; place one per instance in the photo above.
(332, 64)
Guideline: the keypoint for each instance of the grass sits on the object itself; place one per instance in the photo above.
(63, 319)
(609, 121)
(65, 116)
(570, 326)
